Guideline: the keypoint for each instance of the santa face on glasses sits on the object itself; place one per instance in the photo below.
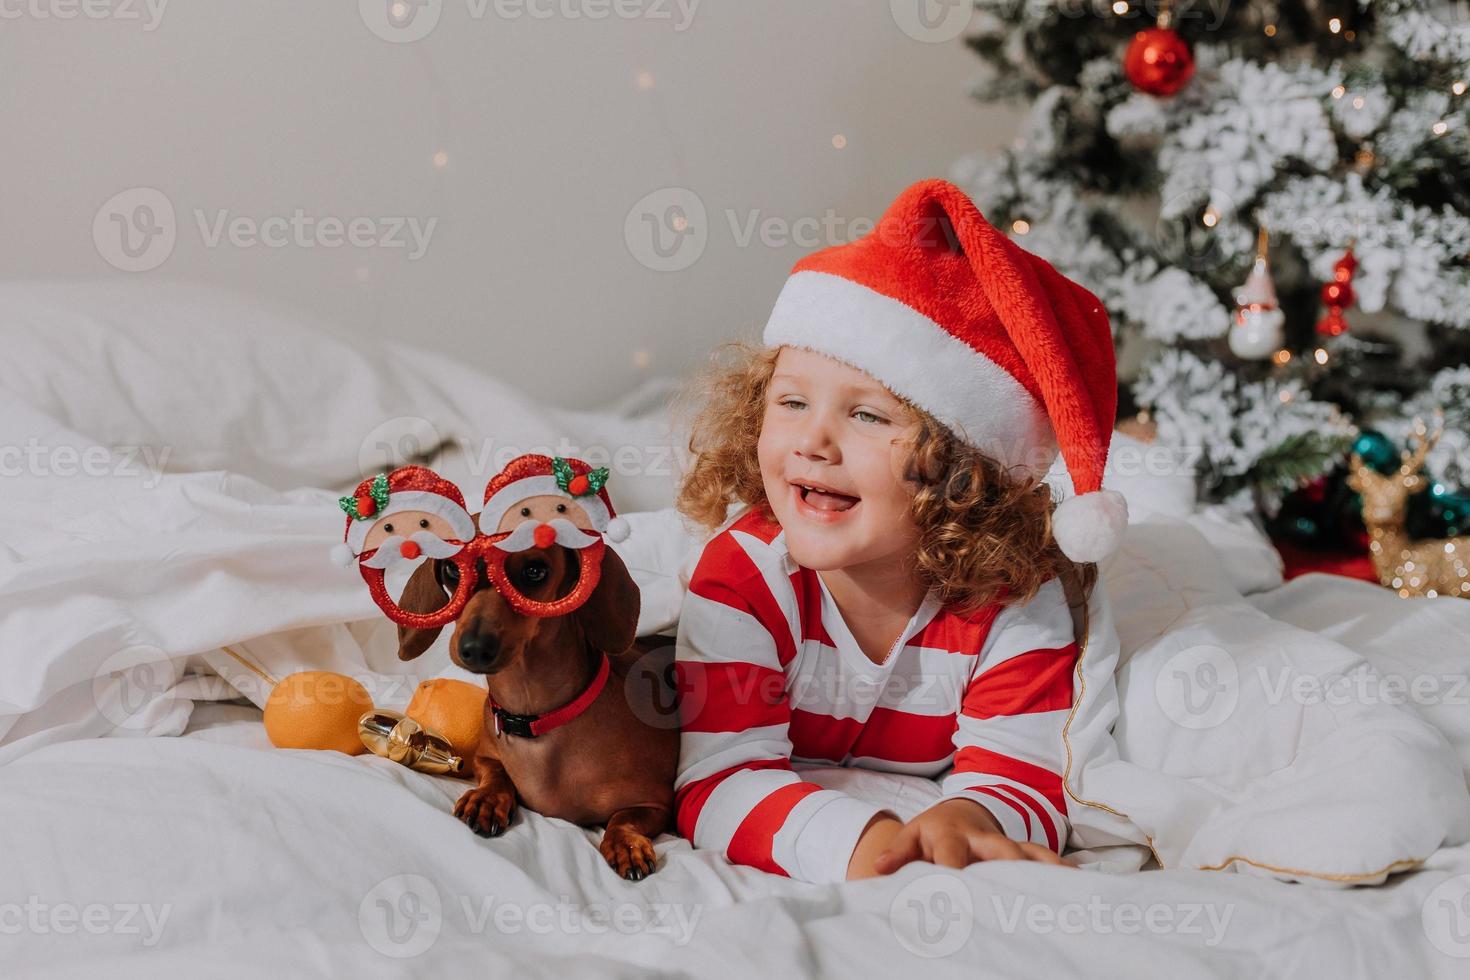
(409, 535)
(403, 516)
(538, 501)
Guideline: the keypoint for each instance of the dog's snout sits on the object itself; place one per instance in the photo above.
(477, 651)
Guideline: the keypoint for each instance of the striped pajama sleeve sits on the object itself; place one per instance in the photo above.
(736, 791)
(1009, 753)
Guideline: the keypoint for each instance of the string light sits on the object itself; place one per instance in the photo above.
(1270, 30)
(839, 141)
(1320, 355)
(1458, 88)
(644, 80)
(1335, 25)
(1020, 226)
(1285, 396)
(441, 160)
(1440, 128)
(642, 358)
(1210, 217)
(1338, 92)
(1283, 356)
(1120, 7)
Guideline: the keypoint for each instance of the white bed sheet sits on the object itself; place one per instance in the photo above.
(254, 861)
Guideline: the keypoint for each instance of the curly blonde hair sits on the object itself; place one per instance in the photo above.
(984, 536)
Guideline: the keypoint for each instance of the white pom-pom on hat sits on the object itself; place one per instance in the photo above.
(617, 530)
(342, 555)
(1089, 526)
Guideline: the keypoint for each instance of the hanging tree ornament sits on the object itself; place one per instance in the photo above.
(1259, 323)
(1158, 61)
(1337, 295)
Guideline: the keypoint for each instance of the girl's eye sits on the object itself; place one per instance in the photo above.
(525, 512)
(867, 416)
(792, 403)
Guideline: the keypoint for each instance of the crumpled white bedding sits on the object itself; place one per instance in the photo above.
(1251, 735)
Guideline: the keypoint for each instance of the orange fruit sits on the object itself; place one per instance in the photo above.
(317, 709)
(454, 709)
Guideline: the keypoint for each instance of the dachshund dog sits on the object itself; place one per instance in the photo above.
(614, 763)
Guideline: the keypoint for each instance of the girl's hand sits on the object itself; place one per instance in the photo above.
(953, 834)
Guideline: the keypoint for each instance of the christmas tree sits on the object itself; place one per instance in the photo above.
(1271, 197)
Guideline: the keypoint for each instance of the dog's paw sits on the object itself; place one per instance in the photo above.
(629, 853)
(487, 810)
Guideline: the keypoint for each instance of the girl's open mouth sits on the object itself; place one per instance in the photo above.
(823, 505)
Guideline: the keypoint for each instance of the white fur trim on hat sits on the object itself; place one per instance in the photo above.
(538, 486)
(401, 500)
(918, 359)
(617, 530)
(1089, 526)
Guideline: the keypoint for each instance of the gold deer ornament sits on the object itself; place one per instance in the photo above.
(1427, 567)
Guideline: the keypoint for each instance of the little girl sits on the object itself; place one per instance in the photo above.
(889, 592)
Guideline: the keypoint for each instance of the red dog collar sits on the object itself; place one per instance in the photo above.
(530, 726)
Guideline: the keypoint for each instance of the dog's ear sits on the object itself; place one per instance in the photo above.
(422, 594)
(610, 615)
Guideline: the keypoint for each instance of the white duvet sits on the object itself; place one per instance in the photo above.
(1314, 732)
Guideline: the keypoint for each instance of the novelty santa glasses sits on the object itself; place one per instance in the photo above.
(397, 520)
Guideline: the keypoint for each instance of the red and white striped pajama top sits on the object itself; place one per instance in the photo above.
(769, 674)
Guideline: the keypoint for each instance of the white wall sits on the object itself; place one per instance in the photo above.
(552, 130)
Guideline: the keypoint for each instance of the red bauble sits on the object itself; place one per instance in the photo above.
(1338, 293)
(366, 507)
(1158, 61)
(578, 485)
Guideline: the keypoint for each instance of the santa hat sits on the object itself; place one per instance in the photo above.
(537, 476)
(406, 488)
(949, 313)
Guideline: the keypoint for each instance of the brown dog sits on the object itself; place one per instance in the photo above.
(614, 763)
